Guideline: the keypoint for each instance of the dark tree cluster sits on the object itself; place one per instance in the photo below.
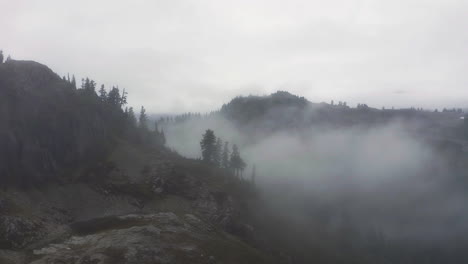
(216, 153)
(340, 104)
(48, 126)
(181, 118)
(362, 107)
(453, 110)
(146, 135)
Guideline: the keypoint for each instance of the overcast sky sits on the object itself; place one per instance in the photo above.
(194, 55)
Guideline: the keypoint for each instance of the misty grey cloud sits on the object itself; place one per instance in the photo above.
(198, 54)
(399, 92)
(383, 176)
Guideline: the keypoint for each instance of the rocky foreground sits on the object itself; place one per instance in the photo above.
(151, 208)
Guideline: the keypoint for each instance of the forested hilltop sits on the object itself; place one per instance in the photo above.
(49, 126)
(86, 180)
(352, 183)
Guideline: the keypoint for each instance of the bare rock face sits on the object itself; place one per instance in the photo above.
(139, 239)
(16, 232)
(214, 205)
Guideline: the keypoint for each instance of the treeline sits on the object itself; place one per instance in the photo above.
(49, 126)
(218, 153)
(183, 117)
(114, 102)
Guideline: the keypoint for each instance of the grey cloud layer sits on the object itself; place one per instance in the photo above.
(198, 54)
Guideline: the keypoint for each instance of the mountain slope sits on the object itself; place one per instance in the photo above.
(83, 185)
(46, 125)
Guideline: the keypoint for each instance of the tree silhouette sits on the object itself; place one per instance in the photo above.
(1, 56)
(103, 94)
(208, 146)
(73, 82)
(131, 117)
(89, 86)
(123, 98)
(113, 98)
(237, 163)
(143, 119)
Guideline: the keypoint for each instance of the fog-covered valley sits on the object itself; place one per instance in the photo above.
(397, 181)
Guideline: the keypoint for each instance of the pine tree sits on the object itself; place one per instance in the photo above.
(237, 163)
(123, 98)
(131, 117)
(113, 97)
(1, 56)
(103, 94)
(143, 119)
(207, 145)
(89, 86)
(73, 82)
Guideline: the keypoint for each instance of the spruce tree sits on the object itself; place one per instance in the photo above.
(131, 117)
(207, 145)
(113, 97)
(103, 94)
(73, 82)
(143, 119)
(1, 56)
(237, 163)
(123, 98)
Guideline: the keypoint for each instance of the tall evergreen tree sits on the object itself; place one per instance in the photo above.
(103, 93)
(113, 97)
(73, 82)
(89, 86)
(207, 145)
(237, 163)
(143, 119)
(123, 98)
(131, 117)
(1, 56)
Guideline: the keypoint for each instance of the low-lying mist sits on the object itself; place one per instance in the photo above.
(383, 177)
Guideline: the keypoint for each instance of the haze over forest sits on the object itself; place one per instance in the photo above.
(208, 132)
